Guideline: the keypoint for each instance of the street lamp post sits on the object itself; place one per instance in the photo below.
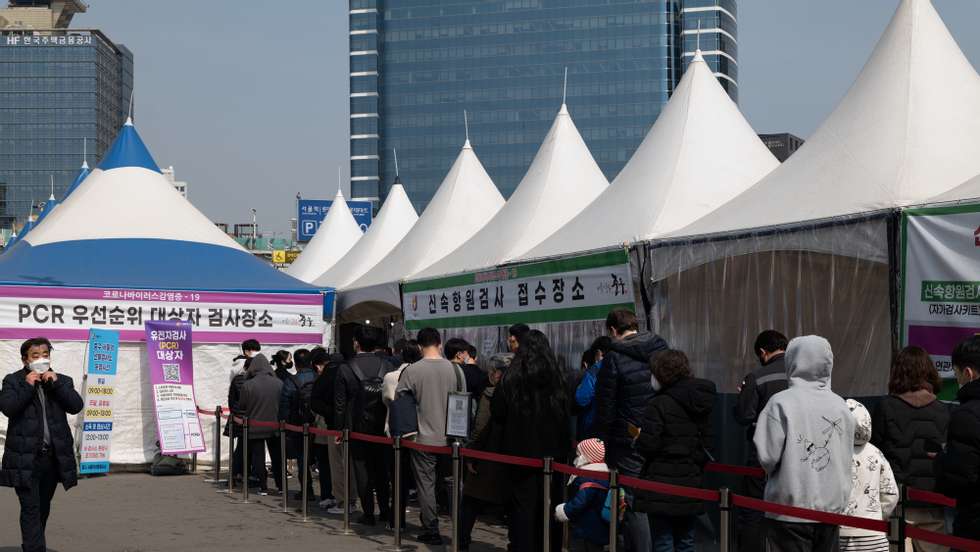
(255, 230)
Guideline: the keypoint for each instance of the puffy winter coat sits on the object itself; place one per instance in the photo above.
(623, 389)
(907, 428)
(757, 388)
(675, 437)
(958, 468)
(260, 397)
(21, 404)
(584, 509)
(490, 482)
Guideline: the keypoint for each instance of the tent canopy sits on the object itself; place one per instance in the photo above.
(336, 236)
(907, 130)
(700, 153)
(967, 190)
(128, 227)
(562, 180)
(82, 174)
(395, 219)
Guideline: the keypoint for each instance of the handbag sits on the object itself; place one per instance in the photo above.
(403, 413)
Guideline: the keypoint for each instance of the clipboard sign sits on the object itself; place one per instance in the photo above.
(458, 409)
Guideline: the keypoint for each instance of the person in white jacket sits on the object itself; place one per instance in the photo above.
(874, 493)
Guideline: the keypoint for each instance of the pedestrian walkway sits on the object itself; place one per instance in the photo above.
(140, 513)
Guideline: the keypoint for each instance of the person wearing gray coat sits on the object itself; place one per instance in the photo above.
(260, 402)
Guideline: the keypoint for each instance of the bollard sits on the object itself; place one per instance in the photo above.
(282, 467)
(346, 530)
(306, 475)
(614, 512)
(566, 534)
(397, 500)
(546, 501)
(231, 456)
(216, 449)
(457, 492)
(725, 520)
(193, 462)
(245, 470)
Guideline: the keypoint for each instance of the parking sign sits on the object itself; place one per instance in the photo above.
(312, 212)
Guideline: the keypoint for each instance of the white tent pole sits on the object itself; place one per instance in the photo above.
(564, 87)
(699, 36)
(466, 125)
(131, 94)
(395, 152)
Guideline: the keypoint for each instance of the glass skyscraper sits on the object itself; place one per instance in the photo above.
(416, 65)
(58, 88)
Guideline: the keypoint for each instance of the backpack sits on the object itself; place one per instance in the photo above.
(607, 503)
(299, 408)
(373, 411)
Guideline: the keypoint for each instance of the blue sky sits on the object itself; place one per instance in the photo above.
(248, 100)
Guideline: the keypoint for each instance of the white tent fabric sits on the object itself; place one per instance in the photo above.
(562, 180)
(466, 200)
(700, 153)
(968, 190)
(334, 238)
(908, 129)
(394, 220)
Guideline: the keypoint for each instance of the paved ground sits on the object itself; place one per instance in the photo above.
(139, 513)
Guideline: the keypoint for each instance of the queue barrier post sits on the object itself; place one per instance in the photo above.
(346, 530)
(566, 534)
(457, 493)
(216, 448)
(282, 467)
(725, 519)
(193, 462)
(546, 502)
(614, 514)
(896, 525)
(245, 468)
(231, 455)
(304, 481)
(396, 497)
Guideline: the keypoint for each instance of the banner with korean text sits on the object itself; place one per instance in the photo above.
(168, 350)
(67, 314)
(99, 392)
(941, 282)
(578, 288)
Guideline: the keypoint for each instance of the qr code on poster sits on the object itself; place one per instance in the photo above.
(171, 373)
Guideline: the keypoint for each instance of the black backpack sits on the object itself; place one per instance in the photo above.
(299, 408)
(373, 411)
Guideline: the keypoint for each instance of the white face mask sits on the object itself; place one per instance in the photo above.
(654, 383)
(41, 365)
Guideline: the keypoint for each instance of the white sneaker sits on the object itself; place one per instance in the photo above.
(338, 510)
(327, 504)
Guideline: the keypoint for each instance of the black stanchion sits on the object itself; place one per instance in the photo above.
(396, 497)
(216, 449)
(566, 533)
(245, 470)
(304, 481)
(457, 492)
(546, 502)
(346, 530)
(282, 467)
(614, 511)
(896, 525)
(231, 456)
(725, 519)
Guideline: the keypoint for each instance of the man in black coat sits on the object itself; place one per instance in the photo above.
(622, 392)
(39, 451)
(958, 466)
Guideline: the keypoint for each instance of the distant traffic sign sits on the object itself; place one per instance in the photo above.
(312, 212)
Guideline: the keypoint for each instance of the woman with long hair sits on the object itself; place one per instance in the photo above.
(283, 361)
(909, 427)
(532, 407)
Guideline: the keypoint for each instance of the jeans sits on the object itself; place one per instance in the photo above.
(35, 502)
(372, 476)
(636, 526)
(785, 536)
(424, 468)
(672, 533)
(256, 461)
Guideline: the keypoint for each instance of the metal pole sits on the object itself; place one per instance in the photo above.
(231, 455)
(566, 534)
(282, 467)
(216, 449)
(245, 470)
(546, 501)
(396, 522)
(306, 473)
(193, 462)
(614, 511)
(346, 530)
(457, 491)
(896, 527)
(725, 508)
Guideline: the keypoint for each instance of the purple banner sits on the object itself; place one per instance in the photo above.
(168, 350)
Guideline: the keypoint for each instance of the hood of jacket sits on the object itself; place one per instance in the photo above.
(259, 365)
(918, 398)
(696, 396)
(639, 346)
(969, 392)
(809, 361)
(862, 422)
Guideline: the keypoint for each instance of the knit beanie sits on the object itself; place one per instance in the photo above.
(592, 450)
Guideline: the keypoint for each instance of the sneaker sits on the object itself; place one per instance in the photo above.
(263, 492)
(339, 511)
(434, 539)
(327, 504)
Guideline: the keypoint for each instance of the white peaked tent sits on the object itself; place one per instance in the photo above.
(562, 180)
(807, 249)
(466, 200)
(700, 153)
(394, 220)
(965, 191)
(334, 238)
(908, 129)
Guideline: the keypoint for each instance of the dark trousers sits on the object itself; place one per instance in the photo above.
(470, 509)
(294, 449)
(636, 525)
(749, 526)
(407, 479)
(527, 517)
(237, 458)
(322, 456)
(256, 461)
(371, 473)
(35, 502)
(784, 536)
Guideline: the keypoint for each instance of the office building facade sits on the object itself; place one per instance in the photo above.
(416, 65)
(63, 93)
(782, 145)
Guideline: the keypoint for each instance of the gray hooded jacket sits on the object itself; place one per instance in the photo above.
(805, 435)
(260, 396)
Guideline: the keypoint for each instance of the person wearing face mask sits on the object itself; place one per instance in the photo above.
(283, 361)
(39, 451)
(958, 466)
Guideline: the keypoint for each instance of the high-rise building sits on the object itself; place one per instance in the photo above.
(62, 91)
(416, 65)
(171, 177)
(782, 145)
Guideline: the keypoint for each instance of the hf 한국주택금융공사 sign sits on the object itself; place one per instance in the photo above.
(168, 348)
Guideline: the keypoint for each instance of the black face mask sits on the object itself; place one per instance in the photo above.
(287, 365)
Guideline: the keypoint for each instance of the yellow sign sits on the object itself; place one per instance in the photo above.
(279, 256)
(291, 256)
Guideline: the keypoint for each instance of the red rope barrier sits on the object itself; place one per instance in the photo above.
(572, 470)
(918, 495)
(956, 543)
(668, 489)
(257, 423)
(748, 471)
(812, 515)
(426, 448)
(502, 458)
(293, 428)
(326, 432)
(378, 439)
(237, 420)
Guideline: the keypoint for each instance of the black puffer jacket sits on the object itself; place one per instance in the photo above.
(234, 398)
(958, 468)
(623, 387)
(21, 404)
(674, 440)
(907, 428)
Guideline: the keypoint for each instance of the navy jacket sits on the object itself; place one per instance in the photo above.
(584, 510)
(958, 467)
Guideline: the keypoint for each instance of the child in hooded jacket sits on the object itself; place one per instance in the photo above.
(584, 508)
(874, 493)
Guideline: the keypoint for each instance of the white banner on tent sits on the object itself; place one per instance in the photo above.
(578, 288)
(217, 317)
